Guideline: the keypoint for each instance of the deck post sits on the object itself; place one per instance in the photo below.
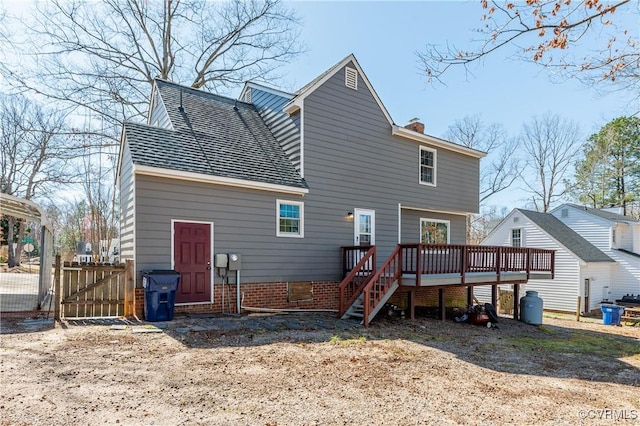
(412, 304)
(516, 301)
(494, 295)
(441, 304)
(469, 295)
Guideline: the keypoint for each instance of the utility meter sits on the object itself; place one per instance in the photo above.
(234, 262)
(222, 260)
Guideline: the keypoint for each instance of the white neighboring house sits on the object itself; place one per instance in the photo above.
(581, 267)
(615, 235)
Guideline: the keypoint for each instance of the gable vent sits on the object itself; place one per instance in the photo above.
(247, 96)
(351, 78)
(565, 213)
(516, 219)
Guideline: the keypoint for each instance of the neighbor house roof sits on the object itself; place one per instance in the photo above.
(614, 217)
(566, 236)
(212, 135)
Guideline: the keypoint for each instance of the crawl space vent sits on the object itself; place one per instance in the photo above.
(351, 78)
(299, 292)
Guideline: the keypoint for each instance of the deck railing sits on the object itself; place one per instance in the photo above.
(358, 264)
(429, 259)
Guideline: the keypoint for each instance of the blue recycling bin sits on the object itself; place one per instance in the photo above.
(160, 288)
(611, 314)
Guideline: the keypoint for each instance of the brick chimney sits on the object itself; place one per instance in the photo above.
(415, 125)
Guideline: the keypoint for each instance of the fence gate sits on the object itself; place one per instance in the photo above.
(94, 290)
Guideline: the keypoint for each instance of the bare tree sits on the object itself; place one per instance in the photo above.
(499, 170)
(98, 169)
(546, 32)
(551, 145)
(103, 56)
(34, 155)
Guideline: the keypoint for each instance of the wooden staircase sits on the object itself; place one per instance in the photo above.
(364, 292)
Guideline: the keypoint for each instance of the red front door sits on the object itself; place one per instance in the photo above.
(192, 258)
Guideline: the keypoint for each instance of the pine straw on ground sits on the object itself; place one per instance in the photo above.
(394, 372)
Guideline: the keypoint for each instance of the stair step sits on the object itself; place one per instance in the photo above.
(356, 314)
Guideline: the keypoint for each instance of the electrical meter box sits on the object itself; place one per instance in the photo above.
(235, 261)
(222, 260)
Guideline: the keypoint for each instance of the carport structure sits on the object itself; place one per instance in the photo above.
(17, 294)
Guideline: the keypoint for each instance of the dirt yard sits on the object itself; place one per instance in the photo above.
(315, 370)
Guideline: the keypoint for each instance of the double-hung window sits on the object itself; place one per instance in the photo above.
(290, 219)
(516, 237)
(427, 166)
(434, 231)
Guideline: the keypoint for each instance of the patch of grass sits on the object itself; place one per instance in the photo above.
(354, 341)
(579, 342)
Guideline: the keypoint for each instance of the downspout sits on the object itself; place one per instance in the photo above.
(399, 223)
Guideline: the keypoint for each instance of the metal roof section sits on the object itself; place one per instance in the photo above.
(566, 236)
(27, 209)
(213, 136)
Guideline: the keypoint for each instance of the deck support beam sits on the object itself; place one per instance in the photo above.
(516, 301)
(443, 311)
(494, 296)
(412, 304)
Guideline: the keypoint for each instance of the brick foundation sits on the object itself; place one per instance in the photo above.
(325, 296)
(257, 295)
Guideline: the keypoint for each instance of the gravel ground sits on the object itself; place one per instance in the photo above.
(316, 370)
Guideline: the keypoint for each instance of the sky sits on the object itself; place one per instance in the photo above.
(385, 36)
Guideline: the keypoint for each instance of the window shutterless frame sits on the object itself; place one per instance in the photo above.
(289, 219)
(427, 166)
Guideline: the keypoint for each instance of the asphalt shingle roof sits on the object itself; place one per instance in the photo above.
(615, 217)
(211, 135)
(566, 236)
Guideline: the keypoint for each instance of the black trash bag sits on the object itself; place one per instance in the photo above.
(491, 312)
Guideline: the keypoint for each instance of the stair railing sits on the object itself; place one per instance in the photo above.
(380, 283)
(353, 283)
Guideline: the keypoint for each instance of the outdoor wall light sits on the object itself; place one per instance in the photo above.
(350, 215)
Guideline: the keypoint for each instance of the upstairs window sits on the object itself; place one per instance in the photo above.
(290, 219)
(351, 78)
(434, 231)
(427, 166)
(516, 237)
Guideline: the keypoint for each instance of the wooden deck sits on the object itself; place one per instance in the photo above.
(436, 266)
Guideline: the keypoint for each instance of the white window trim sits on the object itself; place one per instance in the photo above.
(426, 219)
(435, 165)
(511, 237)
(289, 234)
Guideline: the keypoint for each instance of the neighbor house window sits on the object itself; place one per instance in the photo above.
(516, 237)
(427, 166)
(434, 231)
(290, 218)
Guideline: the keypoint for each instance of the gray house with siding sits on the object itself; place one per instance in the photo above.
(284, 180)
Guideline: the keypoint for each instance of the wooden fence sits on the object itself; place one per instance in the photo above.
(93, 290)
